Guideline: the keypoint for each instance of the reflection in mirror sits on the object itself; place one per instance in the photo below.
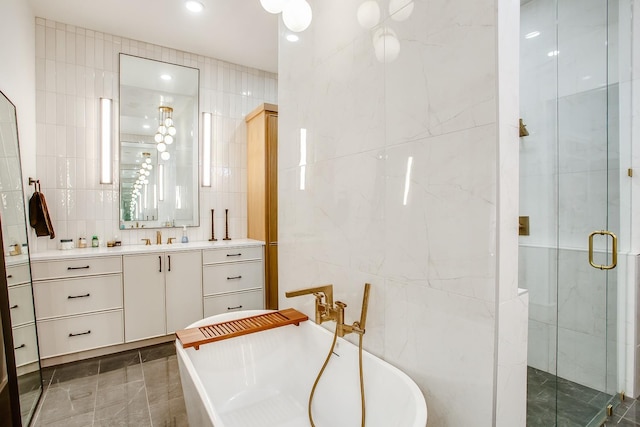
(158, 144)
(16, 255)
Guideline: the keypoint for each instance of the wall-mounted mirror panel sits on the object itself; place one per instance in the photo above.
(158, 144)
(17, 278)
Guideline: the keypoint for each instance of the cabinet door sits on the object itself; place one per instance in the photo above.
(184, 289)
(144, 296)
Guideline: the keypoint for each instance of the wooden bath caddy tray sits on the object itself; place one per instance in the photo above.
(195, 337)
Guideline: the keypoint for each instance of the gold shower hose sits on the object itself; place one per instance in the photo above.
(315, 384)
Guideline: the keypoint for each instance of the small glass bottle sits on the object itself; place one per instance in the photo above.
(95, 242)
(185, 238)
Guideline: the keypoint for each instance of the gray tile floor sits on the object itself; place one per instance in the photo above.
(134, 388)
(575, 404)
(142, 388)
(626, 414)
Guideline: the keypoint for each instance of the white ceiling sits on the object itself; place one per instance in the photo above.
(237, 31)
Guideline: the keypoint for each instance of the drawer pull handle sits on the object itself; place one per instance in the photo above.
(78, 268)
(78, 296)
(81, 333)
(20, 346)
(234, 308)
(169, 257)
(234, 254)
(236, 277)
(160, 263)
(10, 276)
(13, 306)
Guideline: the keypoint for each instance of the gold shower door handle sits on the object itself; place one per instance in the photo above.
(614, 258)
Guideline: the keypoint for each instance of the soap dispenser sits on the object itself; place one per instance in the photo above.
(185, 239)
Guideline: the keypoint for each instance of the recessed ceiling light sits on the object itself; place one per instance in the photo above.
(292, 37)
(166, 77)
(532, 34)
(194, 6)
(553, 53)
(146, 126)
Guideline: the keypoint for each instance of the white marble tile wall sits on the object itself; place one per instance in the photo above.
(511, 406)
(74, 68)
(388, 174)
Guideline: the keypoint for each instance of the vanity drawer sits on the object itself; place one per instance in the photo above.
(24, 343)
(21, 304)
(18, 274)
(232, 277)
(72, 334)
(250, 300)
(214, 256)
(76, 267)
(78, 295)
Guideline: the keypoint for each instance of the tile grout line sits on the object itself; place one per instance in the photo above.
(146, 393)
(36, 419)
(95, 399)
(622, 417)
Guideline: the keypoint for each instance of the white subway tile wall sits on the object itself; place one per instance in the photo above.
(74, 68)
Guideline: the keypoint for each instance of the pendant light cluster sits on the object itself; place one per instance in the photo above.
(385, 40)
(296, 14)
(166, 132)
(141, 182)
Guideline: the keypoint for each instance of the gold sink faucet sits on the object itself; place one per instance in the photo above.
(326, 310)
(158, 237)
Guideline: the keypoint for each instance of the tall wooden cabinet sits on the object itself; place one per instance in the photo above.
(262, 191)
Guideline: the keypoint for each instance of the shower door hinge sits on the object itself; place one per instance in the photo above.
(630, 172)
(523, 225)
(609, 410)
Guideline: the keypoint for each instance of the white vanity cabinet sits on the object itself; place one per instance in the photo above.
(78, 304)
(162, 293)
(233, 279)
(21, 309)
(117, 298)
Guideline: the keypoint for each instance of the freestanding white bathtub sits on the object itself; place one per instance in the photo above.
(264, 379)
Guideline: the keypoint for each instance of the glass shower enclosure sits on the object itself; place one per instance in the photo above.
(572, 187)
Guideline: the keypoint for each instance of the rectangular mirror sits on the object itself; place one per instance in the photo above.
(158, 144)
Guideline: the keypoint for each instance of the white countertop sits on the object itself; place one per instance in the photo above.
(141, 249)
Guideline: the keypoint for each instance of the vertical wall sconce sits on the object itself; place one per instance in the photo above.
(106, 141)
(161, 182)
(207, 136)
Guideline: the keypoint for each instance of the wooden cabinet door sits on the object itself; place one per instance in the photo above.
(183, 289)
(144, 296)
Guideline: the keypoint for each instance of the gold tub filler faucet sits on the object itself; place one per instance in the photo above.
(326, 310)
